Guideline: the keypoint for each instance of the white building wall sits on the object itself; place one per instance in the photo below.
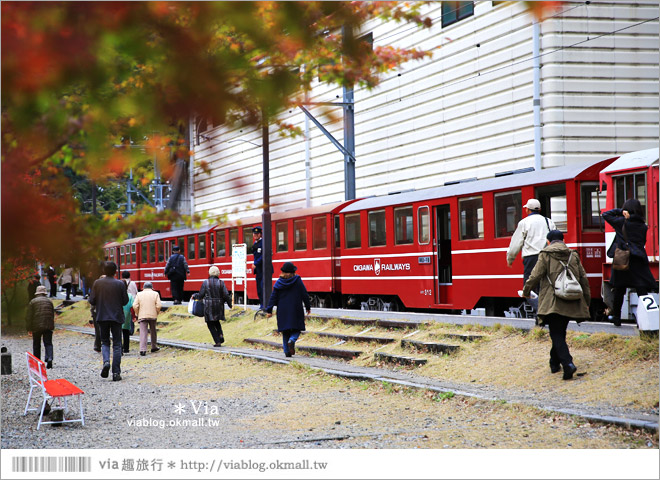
(465, 113)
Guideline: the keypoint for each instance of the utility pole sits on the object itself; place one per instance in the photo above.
(267, 243)
(349, 126)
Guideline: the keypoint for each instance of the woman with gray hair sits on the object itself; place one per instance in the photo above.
(214, 294)
(147, 307)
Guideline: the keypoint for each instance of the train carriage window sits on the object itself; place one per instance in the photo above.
(161, 251)
(248, 238)
(554, 205)
(281, 237)
(300, 234)
(337, 233)
(471, 213)
(630, 186)
(191, 247)
(182, 245)
(122, 255)
(152, 252)
(592, 200)
(133, 253)
(319, 233)
(145, 258)
(352, 230)
(202, 246)
(167, 249)
(423, 225)
(233, 239)
(220, 243)
(377, 234)
(508, 212)
(403, 226)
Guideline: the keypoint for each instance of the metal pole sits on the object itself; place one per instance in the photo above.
(266, 225)
(536, 100)
(349, 127)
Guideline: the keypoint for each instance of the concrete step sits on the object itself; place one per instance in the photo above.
(462, 336)
(328, 352)
(370, 322)
(349, 338)
(440, 348)
(399, 359)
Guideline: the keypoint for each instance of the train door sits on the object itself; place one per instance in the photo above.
(442, 243)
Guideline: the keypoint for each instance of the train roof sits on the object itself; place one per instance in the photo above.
(627, 161)
(300, 212)
(128, 241)
(178, 233)
(506, 182)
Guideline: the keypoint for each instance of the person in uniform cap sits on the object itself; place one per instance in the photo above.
(530, 237)
(257, 251)
(289, 295)
(40, 320)
(177, 272)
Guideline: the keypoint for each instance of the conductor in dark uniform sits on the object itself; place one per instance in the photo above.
(257, 251)
(177, 271)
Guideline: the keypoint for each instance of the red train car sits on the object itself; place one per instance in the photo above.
(633, 175)
(304, 237)
(445, 247)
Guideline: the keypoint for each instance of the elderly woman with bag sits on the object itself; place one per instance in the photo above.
(628, 223)
(214, 294)
(555, 311)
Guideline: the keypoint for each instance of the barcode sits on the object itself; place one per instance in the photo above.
(51, 464)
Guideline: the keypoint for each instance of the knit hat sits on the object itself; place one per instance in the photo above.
(555, 235)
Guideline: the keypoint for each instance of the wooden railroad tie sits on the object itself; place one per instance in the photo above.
(328, 352)
(440, 348)
(387, 357)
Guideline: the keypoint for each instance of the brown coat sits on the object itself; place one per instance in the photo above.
(549, 265)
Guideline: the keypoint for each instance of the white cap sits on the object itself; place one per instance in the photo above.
(533, 204)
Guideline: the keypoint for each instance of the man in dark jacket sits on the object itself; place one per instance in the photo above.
(177, 271)
(52, 280)
(32, 286)
(40, 320)
(109, 297)
(289, 295)
(257, 251)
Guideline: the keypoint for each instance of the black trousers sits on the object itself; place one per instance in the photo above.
(617, 300)
(67, 287)
(559, 353)
(216, 331)
(47, 336)
(53, 287)
(177, 289)
(260, 289)
(126, 340)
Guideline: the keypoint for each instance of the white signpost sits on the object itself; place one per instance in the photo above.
(239, 270)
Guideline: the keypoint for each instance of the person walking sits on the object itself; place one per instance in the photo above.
(630, 227)
(128, 327)
(147, 307)
(109, 297)
(52, 281)
(214, 294)
(65, 280)
(554, 311)
(177, 271)
(131, 286)
(32, 286)
(40, 321)
(257, 251)
(529, 237)
(289, 295)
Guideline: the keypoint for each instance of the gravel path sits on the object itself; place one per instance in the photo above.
(234, 402)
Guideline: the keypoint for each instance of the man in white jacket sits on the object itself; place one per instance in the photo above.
(530, 237)
(147, 307)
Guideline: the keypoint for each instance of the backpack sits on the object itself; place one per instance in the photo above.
(566, 285)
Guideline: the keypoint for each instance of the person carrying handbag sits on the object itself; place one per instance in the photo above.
(214, 294)
(630, 227)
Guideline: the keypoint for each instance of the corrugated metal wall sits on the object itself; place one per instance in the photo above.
(465, 113)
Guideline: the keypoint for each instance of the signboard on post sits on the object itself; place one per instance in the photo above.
(239, 270)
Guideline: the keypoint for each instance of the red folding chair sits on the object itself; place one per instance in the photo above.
(60, 389)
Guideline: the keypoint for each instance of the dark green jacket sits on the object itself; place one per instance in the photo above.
(40, 314)
(549, 265)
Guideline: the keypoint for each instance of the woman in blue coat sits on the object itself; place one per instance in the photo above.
(289, 295)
